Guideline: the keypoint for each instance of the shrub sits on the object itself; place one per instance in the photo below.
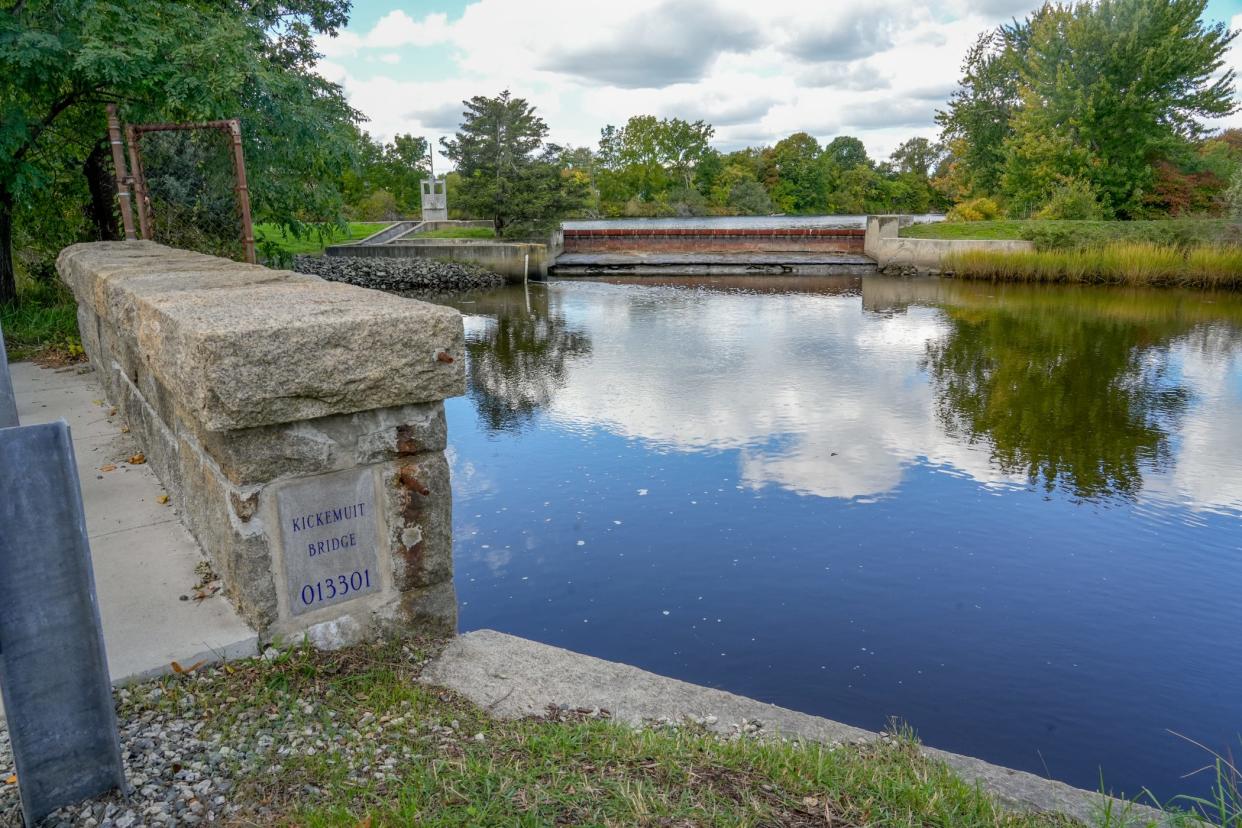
(976, 209)
(749, 198)
(1083, 235)
(378, 206)
(1073, 200)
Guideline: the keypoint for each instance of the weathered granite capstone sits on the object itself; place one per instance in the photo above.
(250, 388)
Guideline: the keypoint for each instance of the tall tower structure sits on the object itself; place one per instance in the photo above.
(435, 193)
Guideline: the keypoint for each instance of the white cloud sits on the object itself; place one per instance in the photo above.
(857, 31)
(757, 73)
(675, 42)
(397, 29)
(392, 31)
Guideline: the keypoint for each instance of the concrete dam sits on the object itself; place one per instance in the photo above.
(726, 246)
(712, 246)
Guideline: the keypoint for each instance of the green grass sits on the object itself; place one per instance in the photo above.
(1129, 263)
(355, 740)
(965, 230)
(42, 324)
(458, 233)
(1064, 235)
(316, 238)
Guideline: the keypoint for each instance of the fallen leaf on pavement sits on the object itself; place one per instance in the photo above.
(138, 459)
(162, 499)
(12, 780)
(108, 467)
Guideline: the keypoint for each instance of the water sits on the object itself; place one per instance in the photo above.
(1008, 516)
(734, 222)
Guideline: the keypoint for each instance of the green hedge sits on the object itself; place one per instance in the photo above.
(1080, 235)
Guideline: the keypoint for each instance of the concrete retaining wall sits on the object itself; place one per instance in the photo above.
(297, 424)
(884, 244)
(505, 258)
(694, 240)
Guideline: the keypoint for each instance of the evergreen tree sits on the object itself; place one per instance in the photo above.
(507, 172)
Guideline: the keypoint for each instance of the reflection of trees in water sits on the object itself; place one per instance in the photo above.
(520, 359)
(1078, 401)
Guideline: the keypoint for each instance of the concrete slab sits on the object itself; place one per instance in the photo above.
(143, 557)
(513, 677)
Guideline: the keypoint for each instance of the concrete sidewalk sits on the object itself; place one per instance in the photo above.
(144, 559)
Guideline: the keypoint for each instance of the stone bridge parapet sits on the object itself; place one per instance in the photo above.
(297, 425)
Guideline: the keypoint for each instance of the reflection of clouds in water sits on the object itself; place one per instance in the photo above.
(1207, 465)
(843, 389)
(842, 405)
(468, 480)
(497, 559)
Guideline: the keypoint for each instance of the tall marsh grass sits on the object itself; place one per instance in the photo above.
(1130, 263)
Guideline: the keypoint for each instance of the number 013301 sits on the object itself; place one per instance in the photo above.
(337, 586)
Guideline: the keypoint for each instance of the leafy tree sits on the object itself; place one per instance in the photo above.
(977, 120)
(847, 152)
(682, 146)
(801, 185)
(1195, 181)
(507, 172)
(397, 168)
(584, 165)
(162, 60)
(650, 155)
(917, 156)
(1113, 85)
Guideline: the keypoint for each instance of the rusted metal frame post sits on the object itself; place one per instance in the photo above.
(118, 166)
(181, 127)
(140, 182)
(243, 192)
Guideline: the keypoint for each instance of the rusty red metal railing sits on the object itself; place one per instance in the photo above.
(137, 175)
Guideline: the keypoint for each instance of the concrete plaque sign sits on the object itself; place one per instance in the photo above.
(53, 669)
(329, 538)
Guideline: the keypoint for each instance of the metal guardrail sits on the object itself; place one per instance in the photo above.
(8, 401)
(53, 667)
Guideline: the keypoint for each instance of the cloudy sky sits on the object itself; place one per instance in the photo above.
(757, 71)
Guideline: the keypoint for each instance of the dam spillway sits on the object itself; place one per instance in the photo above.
(713, 246)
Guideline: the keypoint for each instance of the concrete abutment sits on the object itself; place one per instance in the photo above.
(297, 424)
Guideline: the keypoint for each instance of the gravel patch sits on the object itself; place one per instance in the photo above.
(177, 774)
(398, 274)
(194, 745)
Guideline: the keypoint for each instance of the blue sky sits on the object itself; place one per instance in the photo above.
(757, 72)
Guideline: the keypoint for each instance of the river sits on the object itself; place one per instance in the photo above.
(1008, 516)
